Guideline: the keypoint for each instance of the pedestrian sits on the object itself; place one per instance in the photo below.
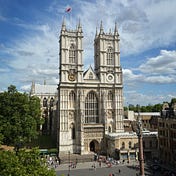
(99, 163)
(59, 160)
(119, 171)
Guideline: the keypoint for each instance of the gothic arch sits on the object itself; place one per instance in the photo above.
(51, 102)
(72, 53)
(94, 146)
(110, 56)
(45, 102)
(110, 99)
(91, 108)
(72, 99)
(72, 127)
(110, 129)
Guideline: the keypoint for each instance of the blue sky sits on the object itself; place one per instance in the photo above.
(29, 34)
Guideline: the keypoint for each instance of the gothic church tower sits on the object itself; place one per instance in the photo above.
(109, 72)
(90, 103)
(70, 74)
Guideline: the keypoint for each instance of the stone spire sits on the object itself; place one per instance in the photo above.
(101, 28)
(115, 29)
(33, 87)
(96, 34)
(63, 25)
(79, 26)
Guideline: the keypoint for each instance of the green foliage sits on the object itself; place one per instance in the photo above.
(26, 163)
(19, 117)
(173, 101)
(148, 108)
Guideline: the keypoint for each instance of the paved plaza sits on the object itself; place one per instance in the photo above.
(86, 169)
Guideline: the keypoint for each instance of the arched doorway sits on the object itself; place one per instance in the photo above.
(94, 146)
(117, 154)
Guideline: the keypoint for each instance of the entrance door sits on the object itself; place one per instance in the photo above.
(94, 146)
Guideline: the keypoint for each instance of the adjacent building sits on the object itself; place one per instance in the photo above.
(167, 134)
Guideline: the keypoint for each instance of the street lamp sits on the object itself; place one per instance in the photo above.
(69, 163)
(139, 134)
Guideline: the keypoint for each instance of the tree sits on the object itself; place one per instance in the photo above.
(19, 117)
(173, 101)
(26, 163)
(148, 108)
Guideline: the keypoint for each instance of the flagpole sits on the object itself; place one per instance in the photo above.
(68, 10)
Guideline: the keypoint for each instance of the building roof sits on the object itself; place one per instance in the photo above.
(45, 89)
(131, 134)
(147, 113)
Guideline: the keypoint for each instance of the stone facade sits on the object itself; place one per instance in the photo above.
(48, 96)
(167, 134)
(90, 102)
(85, 110)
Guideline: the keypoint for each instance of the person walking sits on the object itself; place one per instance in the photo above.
(119, 171)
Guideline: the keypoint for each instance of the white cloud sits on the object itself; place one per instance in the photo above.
(26, 88)
(130, 76)
(163, 64)
(134, 97)
(155, 70)
(142, 25)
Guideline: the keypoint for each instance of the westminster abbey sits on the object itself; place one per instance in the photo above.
(86, 107)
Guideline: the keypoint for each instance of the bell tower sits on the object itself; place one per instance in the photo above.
(70, 75)
(107, 56)
(71, 54)
(109, 73)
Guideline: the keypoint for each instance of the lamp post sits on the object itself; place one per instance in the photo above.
(139, 134)
(69, 163)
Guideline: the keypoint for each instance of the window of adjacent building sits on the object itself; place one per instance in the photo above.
(130, 144)
(91, 108)
(45, 102)
(110, 56)
(123, 145)
(72, 98)
(72, 54)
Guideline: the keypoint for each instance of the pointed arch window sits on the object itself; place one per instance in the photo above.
(72, 99)
(110, 100)
(72, 54)
(52, 102)
(91, 108)
(123, 145)
(45, 102)
(73, 136)
(110, 56)
(109, 129)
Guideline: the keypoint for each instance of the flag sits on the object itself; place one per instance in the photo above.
(68, 9)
